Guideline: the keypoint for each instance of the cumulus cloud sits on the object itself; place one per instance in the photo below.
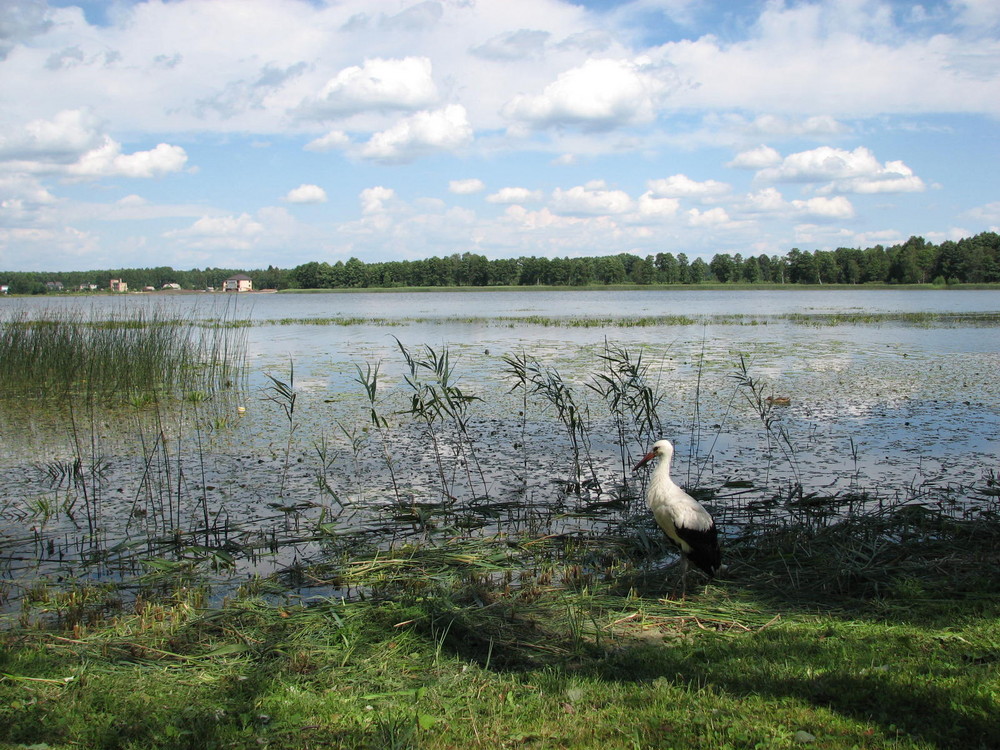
(837, 207)
(682, 186)
(374, 199)
(592, 198)
(466, 187)
(711, 217)
(856, 171)
(598, 95)
(333, 140)
(756, 158)
(377, 84)
(306, 194)
(651, 206)
(512, 195)
(60, 140)
(72, 144)
(109, 161)
(768, 200)
(422, 133)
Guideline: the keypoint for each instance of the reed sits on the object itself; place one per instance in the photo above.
(536, 379)
(436, 397)
(137, 355)
(632, 399)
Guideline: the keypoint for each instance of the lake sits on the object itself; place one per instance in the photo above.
(890, 393)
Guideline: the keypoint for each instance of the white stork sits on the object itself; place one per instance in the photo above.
(683, 518)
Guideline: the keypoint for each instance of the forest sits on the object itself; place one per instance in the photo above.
(972, 260)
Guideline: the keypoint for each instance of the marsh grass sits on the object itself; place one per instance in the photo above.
(136, 356)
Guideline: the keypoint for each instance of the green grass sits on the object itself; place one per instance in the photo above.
(471, 644)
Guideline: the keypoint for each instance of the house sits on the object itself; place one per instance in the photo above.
(238, 283)
(171, 285)
(88, 287)
(117, 285)
(53, 286)
(4, 288)
(149, 289)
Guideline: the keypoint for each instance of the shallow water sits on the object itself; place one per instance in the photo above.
(888, 407)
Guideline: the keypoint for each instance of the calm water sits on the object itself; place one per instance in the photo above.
(891, 407)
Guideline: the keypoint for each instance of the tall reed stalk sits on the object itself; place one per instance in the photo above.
(541, 380)
(632, 400)
(436, 397)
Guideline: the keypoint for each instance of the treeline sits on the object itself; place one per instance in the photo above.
(916, 261)
(973, 260)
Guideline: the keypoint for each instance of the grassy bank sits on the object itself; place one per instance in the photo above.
(877, 632)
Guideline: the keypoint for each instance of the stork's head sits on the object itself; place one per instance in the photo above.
(661, 449)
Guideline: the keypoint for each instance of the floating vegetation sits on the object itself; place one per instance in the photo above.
(911, 319)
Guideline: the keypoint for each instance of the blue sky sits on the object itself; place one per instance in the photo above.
(248, 133)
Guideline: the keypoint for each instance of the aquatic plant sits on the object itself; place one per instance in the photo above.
(625, 386)
(537, 379)
(131, 355)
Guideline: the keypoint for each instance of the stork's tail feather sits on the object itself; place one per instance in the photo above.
(708, 559)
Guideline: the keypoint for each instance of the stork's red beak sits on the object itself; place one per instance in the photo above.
(645, 460)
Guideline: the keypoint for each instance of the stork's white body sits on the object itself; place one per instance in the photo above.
(681, 517)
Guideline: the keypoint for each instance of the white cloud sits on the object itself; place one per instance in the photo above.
(599, 95)
(856, 171)
(650, 206)
(682, 186)
(514, 195)
(306, 194)
(592, 198)
(109, 161)
(712, 217)
(768, 200)
(425, 132)
(333, 140)
(837, 207)
(373, 199)
(378, 84)
(822, 164)
(59, 140)
(756, 158)
(466, 187)
(895, 177)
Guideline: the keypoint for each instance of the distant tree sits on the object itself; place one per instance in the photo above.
(723, 267)
(698, 271)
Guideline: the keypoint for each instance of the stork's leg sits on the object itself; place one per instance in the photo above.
(683, 578)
